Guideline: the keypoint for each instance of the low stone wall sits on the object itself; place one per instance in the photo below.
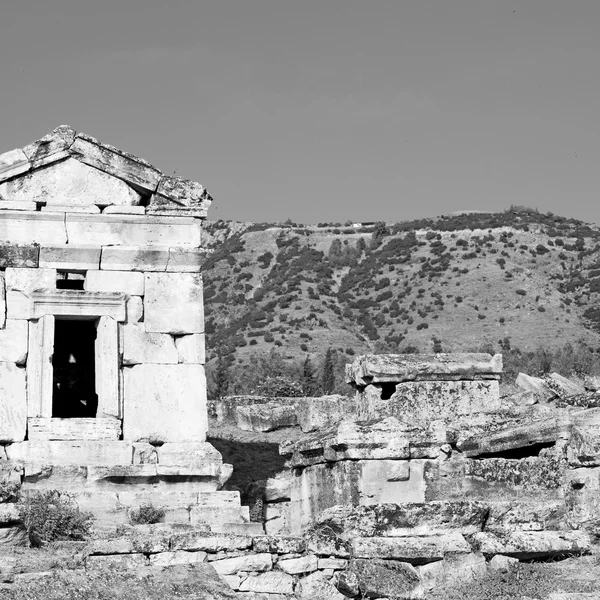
(338, 559)
(262, 413)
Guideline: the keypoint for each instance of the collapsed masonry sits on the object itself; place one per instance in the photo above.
(440, 468)
(102, 385)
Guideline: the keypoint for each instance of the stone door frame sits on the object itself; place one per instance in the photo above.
(46, 305)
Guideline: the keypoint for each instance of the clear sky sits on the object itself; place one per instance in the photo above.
(323, 110)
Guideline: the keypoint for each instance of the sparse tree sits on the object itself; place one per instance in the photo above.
(309, 384)
(221, 378)
(328, 373)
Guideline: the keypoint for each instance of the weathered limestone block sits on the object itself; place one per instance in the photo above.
(395, 368)
(165, 403)
(13, 341)
(174, 303)
(272, 582)
(188, 453)
(124, 210)
(315, 414)
(191, 349)
(69, 182)
(416, 518)
(107, 368)
(381, 578)
(28, 280)
(13, 163)
(21, 256)
(279, 544)
(265, 417)
(74, 208)
(460, 569)
(134, 258)
(178, 196)
(39, 371)
(70, 258)
(296, 566)
(378, 440)
(526, 545)
(13, 408)
(185, 260)
(565, 386)
(74, 429)
(419, 402)
(168, 559)
(534, 515)
(129, 230)
(278, 518)
(71, 452)
(194, 540)
(248, 562)
(494, 479)
(115, 162)
(16, 205)
(317, 587)
(141, 347)
(536, 385)
(115, 281)
(135, 309)
(27, 228)
(416, 550)
(583, 448)
(51, 148)
(540, 432)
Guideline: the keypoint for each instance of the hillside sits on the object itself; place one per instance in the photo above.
(518, 279)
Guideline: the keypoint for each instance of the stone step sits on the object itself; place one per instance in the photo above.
(201, 478)
(112, 508)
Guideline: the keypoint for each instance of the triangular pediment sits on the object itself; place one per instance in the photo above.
(66, 168)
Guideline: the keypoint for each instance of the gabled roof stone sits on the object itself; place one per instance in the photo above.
(165, 195)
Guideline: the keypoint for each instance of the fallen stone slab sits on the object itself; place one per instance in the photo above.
(265, 417)
(536, 385)
(317, 587)
(272, 582)
(416, 550)
(384, 578)
(546, 431)
(395, 368)
(406, 519)
(565, 387)
(526, 545)
(381, 439)
(315, 414)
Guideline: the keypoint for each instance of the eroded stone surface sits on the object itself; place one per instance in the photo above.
(69, 182)
(165, 403)
(174, 303)
(379, 368)
(13, 408)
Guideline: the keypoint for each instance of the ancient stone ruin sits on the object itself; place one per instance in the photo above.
(425, 478)
(102, 385)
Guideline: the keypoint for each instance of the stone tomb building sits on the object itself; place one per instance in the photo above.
(102, 384)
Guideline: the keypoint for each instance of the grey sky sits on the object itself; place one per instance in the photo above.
(323, 110)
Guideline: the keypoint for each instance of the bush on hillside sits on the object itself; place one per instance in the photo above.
(53, 515)
(146, 514)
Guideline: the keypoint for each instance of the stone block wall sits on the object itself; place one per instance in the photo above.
(90, 232)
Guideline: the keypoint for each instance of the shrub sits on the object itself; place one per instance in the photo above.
(53, 515)
(521, 292)
(146, 514)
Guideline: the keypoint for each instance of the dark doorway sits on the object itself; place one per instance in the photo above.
(74, 380)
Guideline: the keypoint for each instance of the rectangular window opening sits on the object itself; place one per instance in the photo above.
(67, 280)
(74, 370)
